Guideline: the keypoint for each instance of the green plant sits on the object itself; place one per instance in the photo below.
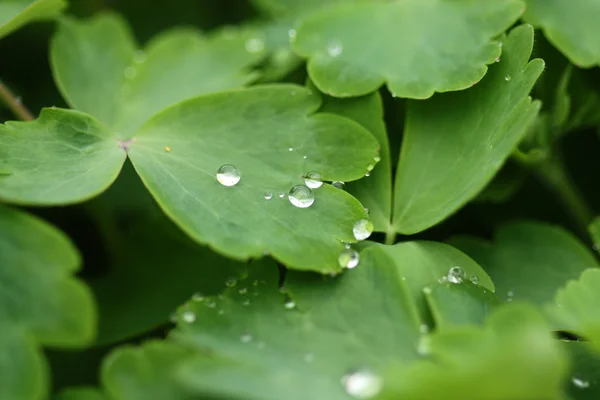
(192, 221)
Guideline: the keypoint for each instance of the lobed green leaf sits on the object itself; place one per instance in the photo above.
(16, 13)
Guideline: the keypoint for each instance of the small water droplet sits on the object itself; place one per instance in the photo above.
(309, 357)
(268, 195)
(456, 275)
(334, 48)
(580, 383)
(255, 45)
(292, 35)
(339, 184)
(305, 157)
(188, 316)
(367, 175)
(370, 167)
(427, 290)
(423, 347)
(362, 229)
(291, 149)
(246, 302)
(348, 258)
(301, 196)
(313, 180)
(246, 338)
(474, 279)
(230, 282)
(130, 72)
(507, 78)
(497, 59)
(228, 175)
(424, 328)
(243, 291)
(289, 304)
(362, 384)
(377, 159)
(198, 296)
(281, 195)
(210, 304)
(367, 210)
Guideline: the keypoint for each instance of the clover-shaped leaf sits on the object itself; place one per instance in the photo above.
(529, 260)
(488, 363)
(446, 160)
(571, 26)
(100, 70)
(40, 303)
(352, 49)
(16, 13)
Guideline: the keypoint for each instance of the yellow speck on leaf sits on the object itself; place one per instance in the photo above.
(168, 149)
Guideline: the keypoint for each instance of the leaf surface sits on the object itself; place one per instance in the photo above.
(353, 49)
(16, 13)
(445, 161)
(271, 135)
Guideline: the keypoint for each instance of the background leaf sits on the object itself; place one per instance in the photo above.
(62, 157)
(266, 122)
(99, 69)
(570, 26)
(414, 60)
(446, 160)
(16, 13)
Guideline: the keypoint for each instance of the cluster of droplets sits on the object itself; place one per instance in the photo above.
(457, 275)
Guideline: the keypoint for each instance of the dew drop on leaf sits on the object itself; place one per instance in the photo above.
(456, 275)
(370, 167)
(313, 180)
(246, 338)
(580, 383)
(289, 304)
(268, 195)
(362, 229)
(188, 316)
(228, 175)
(474, 279)
(301, 196)
(281, 195)
(292, 35)
(255, 45)
(507, 78)
(339, 184)
(362, 384)
(334, 48)
(376, 159)
(243, 291)
(348, 258)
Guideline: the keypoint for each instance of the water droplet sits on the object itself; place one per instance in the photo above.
(198, 296)
(188, 316)
(377, 159)
(348, 258)
(268, 195)
(246, 302)
(370, 167)
(292, 35)
(246, 338)
(367, 175)
(210, 304)
(243, 291)
(497, 59)
(255, 45)
(362, 229)
(456, 275)
(19, 100)
(339, 184)
(424, 328)
(230, 282)
(367, 210)
(427, 290)
(139, 56)
(313, 180)
(301, 196)
(289, 304)
(228, 175)
(334, 48)
(507, 78)
(474, 279)
(130, 72)
(580, 383)
(291, 149)
(305, 157)
(423, 347)
(309, 357)
(281, 195)
(362, 384)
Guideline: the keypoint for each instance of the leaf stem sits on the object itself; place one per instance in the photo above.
(390, 236)
(14, 103)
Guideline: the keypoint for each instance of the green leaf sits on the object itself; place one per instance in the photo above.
(254, 130)
(594, 230)
(423, 264)
(446, 160)
(100, 70)
(80, 393)
(570, 26)
(374, 192)
(286, 8)
(40, 302)
(16, 13)
(530, 260)
(62, 157)
(147, 372)
(488, 363)
(465, 303)
(355, 48)
(272, 348)
(585, 371)
(576, 306)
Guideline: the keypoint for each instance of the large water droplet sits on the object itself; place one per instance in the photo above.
(268, 195)
(339, 184)
(188, 316)
(362, 384)
(246, 338)
(228, 175)
(313, 180)
(456, 275)
(301, 196)
(289, 304)
(255, 45)
(348, 258)
(362, 229)
(580, 383)
(334, 48)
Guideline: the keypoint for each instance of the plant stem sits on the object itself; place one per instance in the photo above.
(390, 236)
(14, 103)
